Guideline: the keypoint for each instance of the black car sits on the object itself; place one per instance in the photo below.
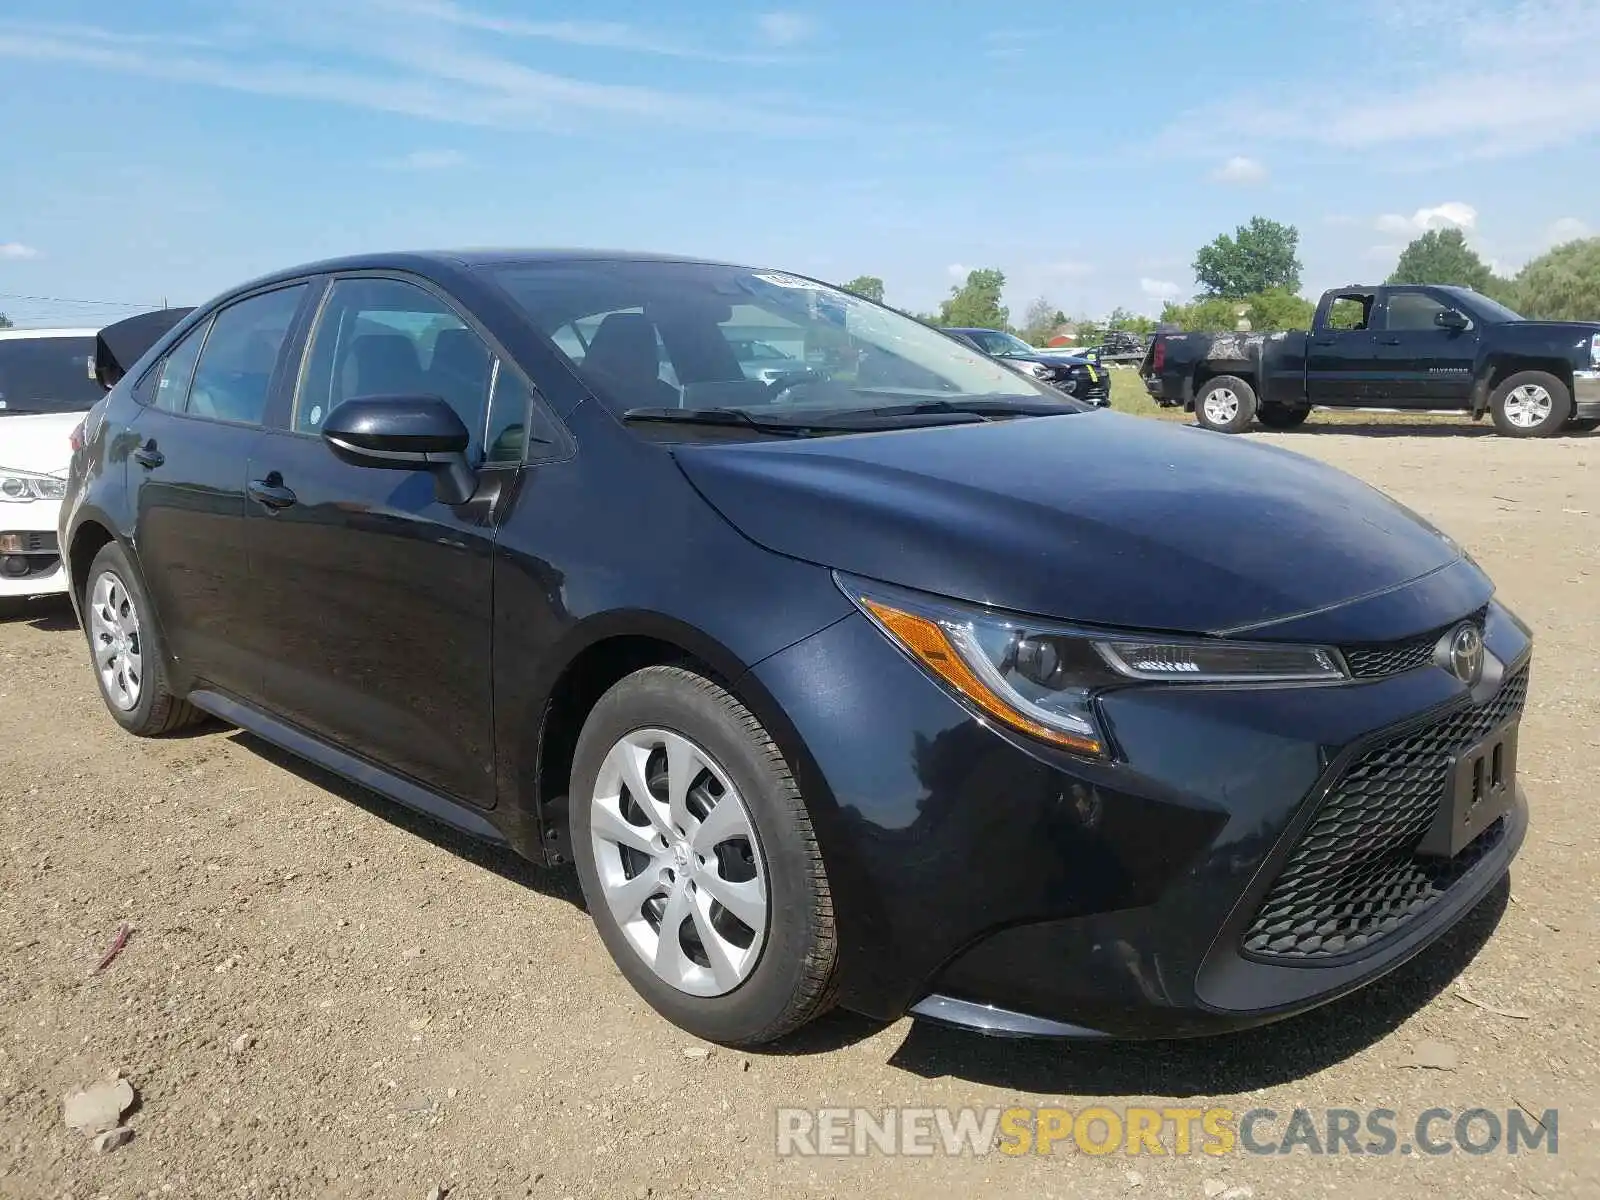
(898, 688)
(1410, 346)
(1076, 376)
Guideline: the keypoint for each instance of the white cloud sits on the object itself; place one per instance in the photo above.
(1240, 170)
(1450, 214)
(17, 250)
(956, 271)
(429, 160)
(411, 63)
(1567, 229)
(1160, 289)
(785, 28)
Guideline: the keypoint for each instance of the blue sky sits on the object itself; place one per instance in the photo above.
(172, 148)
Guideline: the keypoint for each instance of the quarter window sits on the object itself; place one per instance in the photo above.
(176, 370)
(234, 374)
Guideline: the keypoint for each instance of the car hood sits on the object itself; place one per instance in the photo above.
(37, 442)
(1095, 517)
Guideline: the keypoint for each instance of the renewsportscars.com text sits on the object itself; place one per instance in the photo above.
(1101, 1130)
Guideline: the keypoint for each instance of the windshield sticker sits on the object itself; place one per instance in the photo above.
(779, 279)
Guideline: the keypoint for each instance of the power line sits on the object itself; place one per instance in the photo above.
(87, 303)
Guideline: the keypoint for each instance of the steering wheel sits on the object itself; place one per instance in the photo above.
(780, 387)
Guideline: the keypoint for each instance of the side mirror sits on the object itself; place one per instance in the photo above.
(1450, 319)
(406, 433)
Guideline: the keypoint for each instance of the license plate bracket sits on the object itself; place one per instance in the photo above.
(1478, 793)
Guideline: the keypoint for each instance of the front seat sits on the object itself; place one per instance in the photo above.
(624, 354)
(386, 364)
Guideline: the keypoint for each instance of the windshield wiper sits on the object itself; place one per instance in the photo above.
(727, 417)
(831, 421)
(986, 407)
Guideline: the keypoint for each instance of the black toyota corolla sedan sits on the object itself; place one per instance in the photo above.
(899, 681)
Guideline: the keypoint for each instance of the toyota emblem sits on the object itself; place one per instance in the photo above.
(1466, 654)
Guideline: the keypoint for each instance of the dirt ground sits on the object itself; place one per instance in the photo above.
(325, 996)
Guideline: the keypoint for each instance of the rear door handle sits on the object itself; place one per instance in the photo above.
(148, 456)
(270, 493)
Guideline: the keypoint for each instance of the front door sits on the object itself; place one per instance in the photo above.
(189, 453)
(378, 597)
(1428, 366)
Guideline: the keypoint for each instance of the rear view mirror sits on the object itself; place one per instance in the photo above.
(1450, 319)
(407, 433)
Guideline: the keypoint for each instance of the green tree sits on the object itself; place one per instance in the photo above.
(868, 287)
(975, 304)
(5, 321)
(1274, 309)
(1258, 257)
(1442, 256)
(1040, 321)
(1129, 321)
(1560, 285)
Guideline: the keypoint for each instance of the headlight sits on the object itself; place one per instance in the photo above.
(19, 487)
(1041, 677)
(1037, 370)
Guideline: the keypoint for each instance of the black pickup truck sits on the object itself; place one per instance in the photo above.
(1405, 347)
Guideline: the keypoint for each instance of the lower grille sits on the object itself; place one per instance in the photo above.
(37, 542)
(1355, 877)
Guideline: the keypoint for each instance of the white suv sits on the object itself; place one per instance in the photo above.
(46, 385)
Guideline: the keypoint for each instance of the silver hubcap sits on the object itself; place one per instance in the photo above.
(679, 862)
(1221, 406)
(118, 645)
(1528, 405)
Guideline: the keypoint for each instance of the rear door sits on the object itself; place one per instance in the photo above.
(1342, 352)
(189, 451)
(1425, 366)
(377, 597)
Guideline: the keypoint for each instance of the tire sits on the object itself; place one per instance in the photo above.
(1530, 404)
(1282, 416)
(1232, 402)
(1587, 425)
(768, 981)
(125, 650)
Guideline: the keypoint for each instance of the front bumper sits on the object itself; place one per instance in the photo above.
(985, 880)
(1586, 395)
(35, 569)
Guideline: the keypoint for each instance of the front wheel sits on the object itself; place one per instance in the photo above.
(1530, 404)
(698, 861)
(1226, 404)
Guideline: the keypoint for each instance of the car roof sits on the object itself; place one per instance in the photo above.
(15, 334)
(483, 257)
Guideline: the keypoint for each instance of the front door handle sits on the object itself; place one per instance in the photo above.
(1391, 341)
(270, 493)
(148, 457)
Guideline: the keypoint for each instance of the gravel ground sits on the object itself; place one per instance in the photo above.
(324, 996)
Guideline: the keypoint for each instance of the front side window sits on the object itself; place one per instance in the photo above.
(234, 374)
(386, 337)
(623, 318)
(1412, 311)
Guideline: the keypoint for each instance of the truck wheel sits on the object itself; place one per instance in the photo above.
(1226, 404)
(1282, 416)
(1530, 404)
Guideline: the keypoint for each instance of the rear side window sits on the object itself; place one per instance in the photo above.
(239, 357)
(47, 375)
(1350, 312)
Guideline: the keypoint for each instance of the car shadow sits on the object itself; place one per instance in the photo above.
(559, 883)
(1222, 1065)
(48, 614)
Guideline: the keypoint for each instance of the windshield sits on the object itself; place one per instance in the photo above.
(1485, 308)
(996, 342)
(46, 375)
(695, 336)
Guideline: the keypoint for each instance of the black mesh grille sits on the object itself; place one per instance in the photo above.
(38, 542)
(1354, 877)
(1391, 658)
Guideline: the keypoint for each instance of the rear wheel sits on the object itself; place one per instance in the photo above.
(1530, 404)
(698, 862)
(1282, 416)
(1226, 404)
(129, 664)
